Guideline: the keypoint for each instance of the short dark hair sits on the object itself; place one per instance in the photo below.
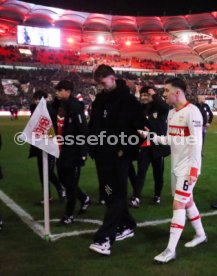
(145, 89)
(39, 94)
(65, 84)
(103, 71)
(177, 82)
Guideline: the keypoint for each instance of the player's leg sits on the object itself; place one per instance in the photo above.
(195, 219)
(181, 197)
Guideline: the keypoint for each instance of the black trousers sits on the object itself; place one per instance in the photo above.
(204, 133)
(51, 174)
(144, 160)
(131, 175)
(101, 177)
(113, 172)
(69, 177)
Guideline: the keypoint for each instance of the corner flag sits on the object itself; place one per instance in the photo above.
(39, 130)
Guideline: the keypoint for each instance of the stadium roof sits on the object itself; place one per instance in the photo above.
(133, 7)
(181, 38)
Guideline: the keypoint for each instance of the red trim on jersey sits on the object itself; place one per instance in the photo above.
(187, 103)
(197, 217)
(182, 193)
(179, 131)
(194, 172)
(175, 225)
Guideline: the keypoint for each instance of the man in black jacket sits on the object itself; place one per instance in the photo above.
(206, 113)
(155, 113)
(114, 111)
(71, 122)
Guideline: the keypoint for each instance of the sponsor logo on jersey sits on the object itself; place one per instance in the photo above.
(197, 123)
(179, 131)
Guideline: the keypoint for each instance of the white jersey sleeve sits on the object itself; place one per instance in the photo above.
(195, 124)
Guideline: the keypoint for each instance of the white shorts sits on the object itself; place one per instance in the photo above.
(181, 190)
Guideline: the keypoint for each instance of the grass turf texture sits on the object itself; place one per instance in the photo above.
(23, 253)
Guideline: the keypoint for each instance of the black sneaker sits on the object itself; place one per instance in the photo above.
(126, 233)
(156, 200)
(103, 248)
(134, 202)
(85, 205)
(66, 220)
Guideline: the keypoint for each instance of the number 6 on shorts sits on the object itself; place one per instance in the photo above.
(185, 186)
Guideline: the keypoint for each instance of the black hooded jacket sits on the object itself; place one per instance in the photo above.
(155, 114)
(116, 112)
(75, 124)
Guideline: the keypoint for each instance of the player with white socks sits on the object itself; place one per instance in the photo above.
(184, 135)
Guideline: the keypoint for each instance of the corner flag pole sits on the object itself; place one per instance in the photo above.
(46, 196)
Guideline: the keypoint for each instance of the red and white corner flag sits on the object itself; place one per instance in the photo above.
(39, 130)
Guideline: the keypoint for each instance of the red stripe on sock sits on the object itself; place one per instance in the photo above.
(197, 217)
(182, 193)
(175, 225)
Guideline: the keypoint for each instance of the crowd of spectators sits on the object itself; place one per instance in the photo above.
(28, 81)
(47, 56)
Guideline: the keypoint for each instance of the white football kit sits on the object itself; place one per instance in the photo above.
(184, 135)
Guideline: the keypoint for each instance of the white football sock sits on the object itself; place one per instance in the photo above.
(176, 228)
(194, 217)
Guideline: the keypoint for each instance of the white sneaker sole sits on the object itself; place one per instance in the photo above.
(188, 244)
(98, 250)
(125, 237)
(164, 262)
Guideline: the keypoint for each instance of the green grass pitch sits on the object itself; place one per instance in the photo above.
(22, 252)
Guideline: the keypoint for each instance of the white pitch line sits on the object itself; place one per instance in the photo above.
(93, 221)
(164, 221)
(56, 237)
(39, 230)
(22, 214)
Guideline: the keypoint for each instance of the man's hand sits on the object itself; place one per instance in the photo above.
(143, 133)
(192, 179)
